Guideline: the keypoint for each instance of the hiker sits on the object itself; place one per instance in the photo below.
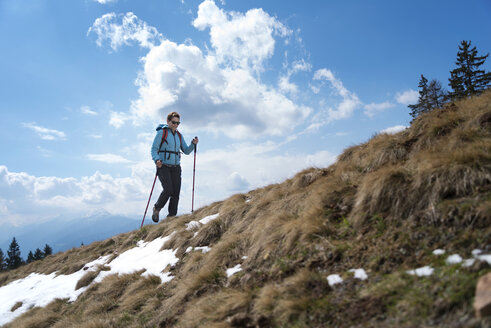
(166, 153)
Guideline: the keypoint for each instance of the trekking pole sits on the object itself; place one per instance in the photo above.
(149, 200)
(194, 174)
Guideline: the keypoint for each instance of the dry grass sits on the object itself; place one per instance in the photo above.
(383, 206)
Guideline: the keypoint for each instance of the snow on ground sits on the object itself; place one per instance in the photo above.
(438, 252)
(334, 279)
(208, 218)
(39, 290)
(192, 225)
(454, 259)
(421, 272)
(145, 256)
(476, 252)
(359, 274)
(204, 249)
(234, 270)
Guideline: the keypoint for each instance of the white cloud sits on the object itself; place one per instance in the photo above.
(284, 84)
(118, 119)
(104, 2)
(45, 133)
(25, 198)
(88, 111)
(373, 108)
(131, 29)
(241, 40)
(343, 109)
(219, 174)
(207, 88)
(394, 129)
(108, 158)
(407, 97)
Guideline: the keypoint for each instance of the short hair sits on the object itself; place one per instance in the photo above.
(172, 115)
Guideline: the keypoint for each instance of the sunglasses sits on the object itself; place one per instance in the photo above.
(176, 123)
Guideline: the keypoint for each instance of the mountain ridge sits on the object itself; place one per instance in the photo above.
(393, 234)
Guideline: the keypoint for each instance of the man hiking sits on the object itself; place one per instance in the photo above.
(166, 153)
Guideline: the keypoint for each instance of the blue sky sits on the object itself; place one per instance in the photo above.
(270, 87)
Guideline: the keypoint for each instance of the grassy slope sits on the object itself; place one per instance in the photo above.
(384, 206)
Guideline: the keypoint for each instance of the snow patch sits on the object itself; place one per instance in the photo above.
(204, 249)
(234, 270)
(485, 258)
(438, 252)
(38, 290)
(359, 274)
(454, 259)
(192, 225)
(209, 218)
(421, 272)
(334, 279)
(476, 252)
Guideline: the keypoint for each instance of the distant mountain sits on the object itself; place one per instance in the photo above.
(62, 234)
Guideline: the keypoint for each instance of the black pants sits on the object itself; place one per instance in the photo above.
(170, 178)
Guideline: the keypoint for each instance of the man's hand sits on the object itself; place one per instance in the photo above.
(158, 163)
(195, 140)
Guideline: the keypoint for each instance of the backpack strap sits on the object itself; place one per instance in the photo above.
(165, 133)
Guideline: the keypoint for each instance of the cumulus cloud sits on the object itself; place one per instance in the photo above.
(219, 174)
(45, 133)
(241, 40)
(407, 97)
(220, 85)
(394, 129)
(131, 29)
(373, 108)
(25, 198)
(108, 158)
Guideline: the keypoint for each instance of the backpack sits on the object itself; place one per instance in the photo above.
(165, 133)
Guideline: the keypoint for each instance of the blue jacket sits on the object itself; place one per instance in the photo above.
(173, 144)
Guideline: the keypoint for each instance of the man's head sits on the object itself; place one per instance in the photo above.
(173, 120)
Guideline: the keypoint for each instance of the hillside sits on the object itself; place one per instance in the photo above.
(394, 234)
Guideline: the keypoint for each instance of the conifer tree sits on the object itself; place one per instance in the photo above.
(436, 94)
(47, 250)
(30, 257)
(468, 79)
(38, 254)
(14, 260)
(2, 261)
(431, 96)
(423, 104)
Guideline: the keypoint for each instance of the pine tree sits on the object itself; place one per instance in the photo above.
(431, 96)
(2, 261)
(47, 250)
(14, 260)
(436, 94)
(38, 254)
(30, 257)
(423, 104)
(467, 79)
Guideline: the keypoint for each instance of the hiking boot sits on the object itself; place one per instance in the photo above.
(155, 215)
